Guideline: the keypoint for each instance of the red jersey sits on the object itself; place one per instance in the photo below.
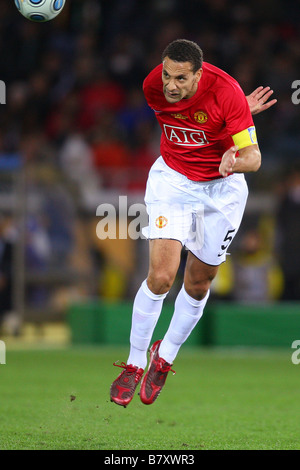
(197, 131)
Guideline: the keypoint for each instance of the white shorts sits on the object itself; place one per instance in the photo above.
(203, 216)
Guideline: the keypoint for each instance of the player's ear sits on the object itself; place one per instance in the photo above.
(198, 74)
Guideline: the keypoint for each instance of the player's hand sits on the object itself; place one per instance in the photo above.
(258, 99)
(228, 161)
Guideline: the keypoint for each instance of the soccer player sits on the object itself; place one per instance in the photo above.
(195, 197)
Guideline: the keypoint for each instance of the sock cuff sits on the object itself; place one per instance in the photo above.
(194, 302)
(150, 294)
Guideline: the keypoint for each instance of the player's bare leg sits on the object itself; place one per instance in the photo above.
(198, 277)
(164, 264)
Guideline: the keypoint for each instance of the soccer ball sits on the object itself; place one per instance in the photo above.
(40, 10)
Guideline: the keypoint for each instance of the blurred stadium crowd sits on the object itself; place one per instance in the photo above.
(76, 121)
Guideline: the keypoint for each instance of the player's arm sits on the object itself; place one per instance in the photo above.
(258, 100)
(249, 158)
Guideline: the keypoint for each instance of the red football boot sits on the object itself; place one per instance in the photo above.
(123, 388)
(155, 377)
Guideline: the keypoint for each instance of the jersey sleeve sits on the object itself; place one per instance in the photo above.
(237, 115)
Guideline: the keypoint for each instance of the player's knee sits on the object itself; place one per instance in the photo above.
(198, 289)
(160, 282)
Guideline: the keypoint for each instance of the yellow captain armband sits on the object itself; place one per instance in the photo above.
(245, 138)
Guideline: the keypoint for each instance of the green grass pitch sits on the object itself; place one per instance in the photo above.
(219, 399)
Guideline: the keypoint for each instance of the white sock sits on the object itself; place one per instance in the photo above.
(146, 311)
(187, 313)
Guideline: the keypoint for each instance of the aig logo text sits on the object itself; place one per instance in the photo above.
(185, 136)
(2, 353)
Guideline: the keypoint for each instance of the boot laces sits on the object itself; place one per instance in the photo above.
(163, 366)
(129, 368)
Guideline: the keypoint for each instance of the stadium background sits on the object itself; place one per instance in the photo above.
(76, 132)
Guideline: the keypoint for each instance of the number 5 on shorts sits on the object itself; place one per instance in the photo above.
(228, 238)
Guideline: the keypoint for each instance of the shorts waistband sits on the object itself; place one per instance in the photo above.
(171, 171)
